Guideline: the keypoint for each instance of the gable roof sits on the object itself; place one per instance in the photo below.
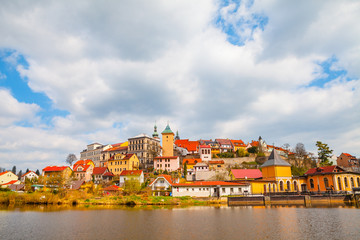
(322, 170)
(3, 173)
(84, 161)
(131, 173)
(99, 170)
(28, 173)
(223, 141)
(275, 160)
(54, 168)
(85, 167)
(246, 173)
(165, 176)
(191, 161)
(238, 143)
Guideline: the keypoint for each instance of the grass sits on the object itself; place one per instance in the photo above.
(83, 198)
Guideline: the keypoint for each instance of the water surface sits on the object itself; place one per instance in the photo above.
(180, 223)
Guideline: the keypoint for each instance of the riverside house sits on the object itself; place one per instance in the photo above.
(210, 189)
(29, 175)
(7, 178)
(126, 175)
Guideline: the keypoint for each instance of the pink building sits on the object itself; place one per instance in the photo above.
(168, 163)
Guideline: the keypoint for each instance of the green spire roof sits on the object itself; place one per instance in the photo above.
(167, 130)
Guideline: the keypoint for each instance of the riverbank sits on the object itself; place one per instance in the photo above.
(81, 198)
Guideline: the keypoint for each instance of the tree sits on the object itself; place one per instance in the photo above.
(71, 158)
(253, 150)
(300, 154)
(19, 174)
(14, 170)
(37, 172)
(324, 153)
(185, 169)
(27, 170)
(286, 146)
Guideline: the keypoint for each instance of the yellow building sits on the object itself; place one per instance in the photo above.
(121, 162)
(8, 177)
(167, 142)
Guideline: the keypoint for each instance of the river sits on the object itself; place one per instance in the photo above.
(41, 222)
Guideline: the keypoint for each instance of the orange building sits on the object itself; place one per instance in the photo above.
(331, 178)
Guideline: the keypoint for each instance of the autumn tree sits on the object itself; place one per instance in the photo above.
(324, 153)
(70, 159)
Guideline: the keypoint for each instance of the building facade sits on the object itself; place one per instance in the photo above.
(94, 152)
(166, 163)
(145, 148)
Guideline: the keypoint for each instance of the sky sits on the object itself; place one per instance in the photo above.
(77, 72)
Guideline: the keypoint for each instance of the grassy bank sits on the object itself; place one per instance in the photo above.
(82, 198)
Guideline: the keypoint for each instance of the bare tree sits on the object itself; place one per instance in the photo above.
(70, 159)
(300, 153)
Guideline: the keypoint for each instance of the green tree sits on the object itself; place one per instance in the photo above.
(37, 172)
(185, 169)
(253, 150)
(324, 153)
(14, 170)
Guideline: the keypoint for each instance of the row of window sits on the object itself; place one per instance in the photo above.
(165, 165)
(223, 190)
(166, 160)
(205, 151)
(118, 163)
(326, 182)
(119, 169)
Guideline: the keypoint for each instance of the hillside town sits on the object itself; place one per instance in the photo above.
(177, 167)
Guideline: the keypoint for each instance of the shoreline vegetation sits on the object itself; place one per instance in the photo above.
(81, 198)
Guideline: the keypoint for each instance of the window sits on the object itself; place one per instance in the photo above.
(223, 190)
(352, 182)
(193, 189)
(339, 183)
(358, 182)
(326, 182)
(214, 190)
(346, 182)
(199, 189)
(282, 185)
(269, 187)
(311, 183)
(231, 190)
(295, 186)
(240, 189)
(288, 188)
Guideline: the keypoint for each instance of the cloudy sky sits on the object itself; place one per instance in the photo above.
(78, 72)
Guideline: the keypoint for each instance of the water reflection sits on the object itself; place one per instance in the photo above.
(163, 222)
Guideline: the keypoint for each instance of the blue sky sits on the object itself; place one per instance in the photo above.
(73, 73)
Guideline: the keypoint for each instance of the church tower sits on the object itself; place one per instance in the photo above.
(167, 142)
(155, 134)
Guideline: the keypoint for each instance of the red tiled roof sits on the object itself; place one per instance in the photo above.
(128, 156)
(99, 170)
(319, 170)
(4, 173)
(131, 173)
(118, 148)
(238, 143)
(54, 168)
(254, 143)
(192, 161)
(216, 162)
(191, 146)
(208, 183)
(109, 174)
(167, 177)
(166, 157)
(204, 146)
(85, 161)
(349, 155)
(85, 168)
(11, 182)
(246, 173)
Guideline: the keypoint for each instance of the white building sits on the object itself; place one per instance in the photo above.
(162, 182)
(210, 189)
(29, 175)
(205, 152)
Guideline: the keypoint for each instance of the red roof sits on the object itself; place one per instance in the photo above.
(208, 183)
(204, 146)
(238, 143)
(191, 146)
(11, 182)
(54, 168)
(85, 161)
(254, 143)
(246, 173)
(27, 173)
(4, 173)
(166, 157)
(192, 161)
(117, 148)
(349, 155)
(216, 162)
(327, 169)
(85, 167)
(109, 174)
(99, 170)
(128, 156)
(167, 178)
(131, 173)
